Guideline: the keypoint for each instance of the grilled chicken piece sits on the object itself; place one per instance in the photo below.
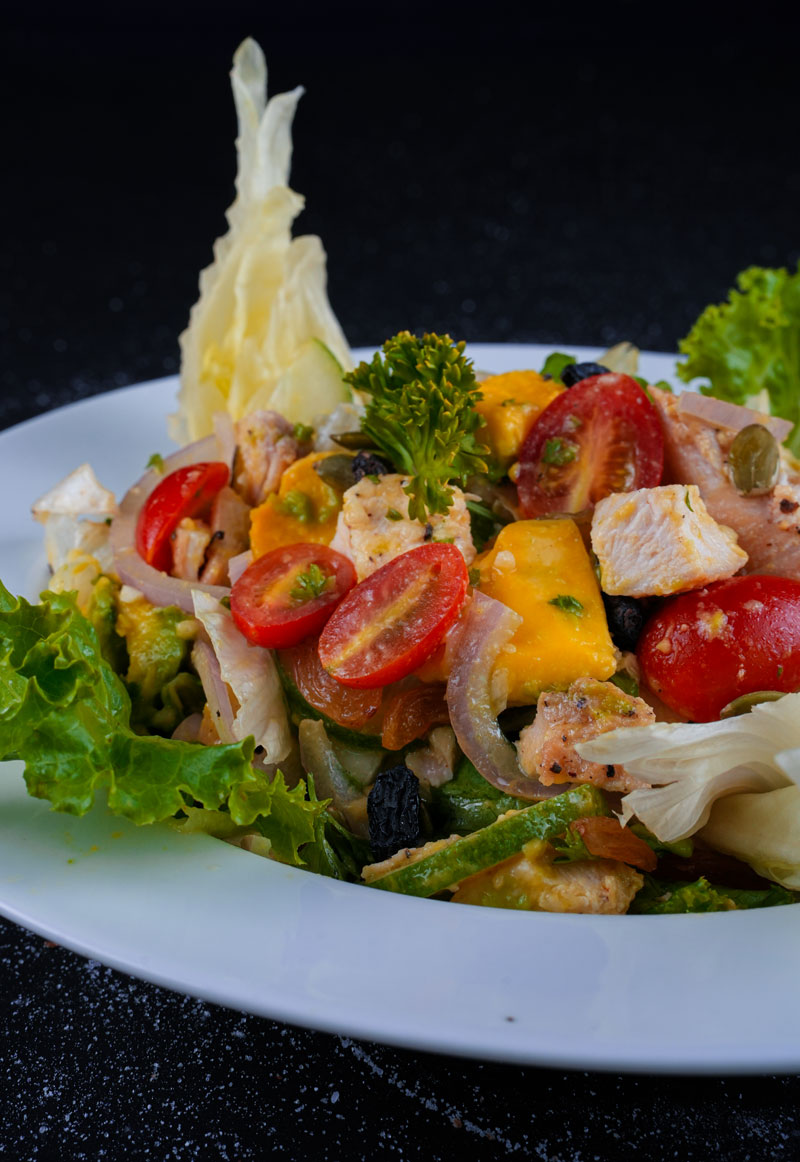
(532, 881)
(189, 544)
(658, 541)
(768, 526)
(374, 526)
(265, 447)
(230, 535)
(546, 748)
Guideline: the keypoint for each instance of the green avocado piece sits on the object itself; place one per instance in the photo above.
(492, 844)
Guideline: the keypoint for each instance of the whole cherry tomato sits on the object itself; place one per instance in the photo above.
(704, 649)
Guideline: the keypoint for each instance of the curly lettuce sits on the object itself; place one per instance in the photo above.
(67, 716)
(750, 345)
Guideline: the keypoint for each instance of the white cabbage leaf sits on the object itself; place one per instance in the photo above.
(79, 494)
(762, 830)
(252, 676)
(692, 765)
(264, 296)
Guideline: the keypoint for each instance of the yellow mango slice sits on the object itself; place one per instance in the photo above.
(541, 570)
(511, 404)
(303, 510)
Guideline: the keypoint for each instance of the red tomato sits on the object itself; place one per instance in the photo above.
(187, 492)
(390, 623)
(408, 714)
(601, 436)
(350, 708)
(289, 594)
(703, 649)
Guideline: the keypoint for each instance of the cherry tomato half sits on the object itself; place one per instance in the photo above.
(601, 436)
(187, 492)
(289, 594)
(703, 649)
(391, 622)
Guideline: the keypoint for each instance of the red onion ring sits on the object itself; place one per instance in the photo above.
(205, 662)
(718, 413)
(159, 588)
(485, 627)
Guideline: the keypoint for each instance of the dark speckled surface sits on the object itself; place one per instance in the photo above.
(566, 176)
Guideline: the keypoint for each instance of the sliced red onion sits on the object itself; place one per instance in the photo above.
(159, 588)
(205, 662)
(189, 729)
(238, 564)
(720, 414)
(484, 629)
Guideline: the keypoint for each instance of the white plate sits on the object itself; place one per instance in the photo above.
(715, 993)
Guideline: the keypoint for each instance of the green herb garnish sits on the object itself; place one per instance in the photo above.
(156, 462)
(568, 604)
(313, 582)
(559, 451)
(421, 415)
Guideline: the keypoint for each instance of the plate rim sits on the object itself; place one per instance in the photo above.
(505, 1046)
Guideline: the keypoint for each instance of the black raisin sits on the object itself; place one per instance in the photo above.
(393, 811)
(574, 372)
(626, 618)
(367, 464)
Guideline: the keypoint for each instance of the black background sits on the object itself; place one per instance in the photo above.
(565, 174)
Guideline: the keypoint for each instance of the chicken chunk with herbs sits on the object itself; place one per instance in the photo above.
(768, 526)
(531, 881)
(265, 447)
(546, 748)
(374, 526)
(660, 541)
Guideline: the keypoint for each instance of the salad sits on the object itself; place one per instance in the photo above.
(527, 640)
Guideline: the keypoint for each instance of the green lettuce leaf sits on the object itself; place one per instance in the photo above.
(66, 715)
(750, 344)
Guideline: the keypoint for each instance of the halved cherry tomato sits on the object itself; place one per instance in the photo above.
(704, 649)
(288, 595)
(411, 713)
(350, 708)
(601, 436)
(393, 620)
(187, 492)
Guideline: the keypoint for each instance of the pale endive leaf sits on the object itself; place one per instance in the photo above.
(691, 765)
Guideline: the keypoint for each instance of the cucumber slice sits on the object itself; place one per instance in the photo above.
(468, 803)
(300, 709)
(492, 844)
(312, 386)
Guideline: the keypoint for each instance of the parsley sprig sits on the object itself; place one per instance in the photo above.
(421, 415)
(310, 584)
